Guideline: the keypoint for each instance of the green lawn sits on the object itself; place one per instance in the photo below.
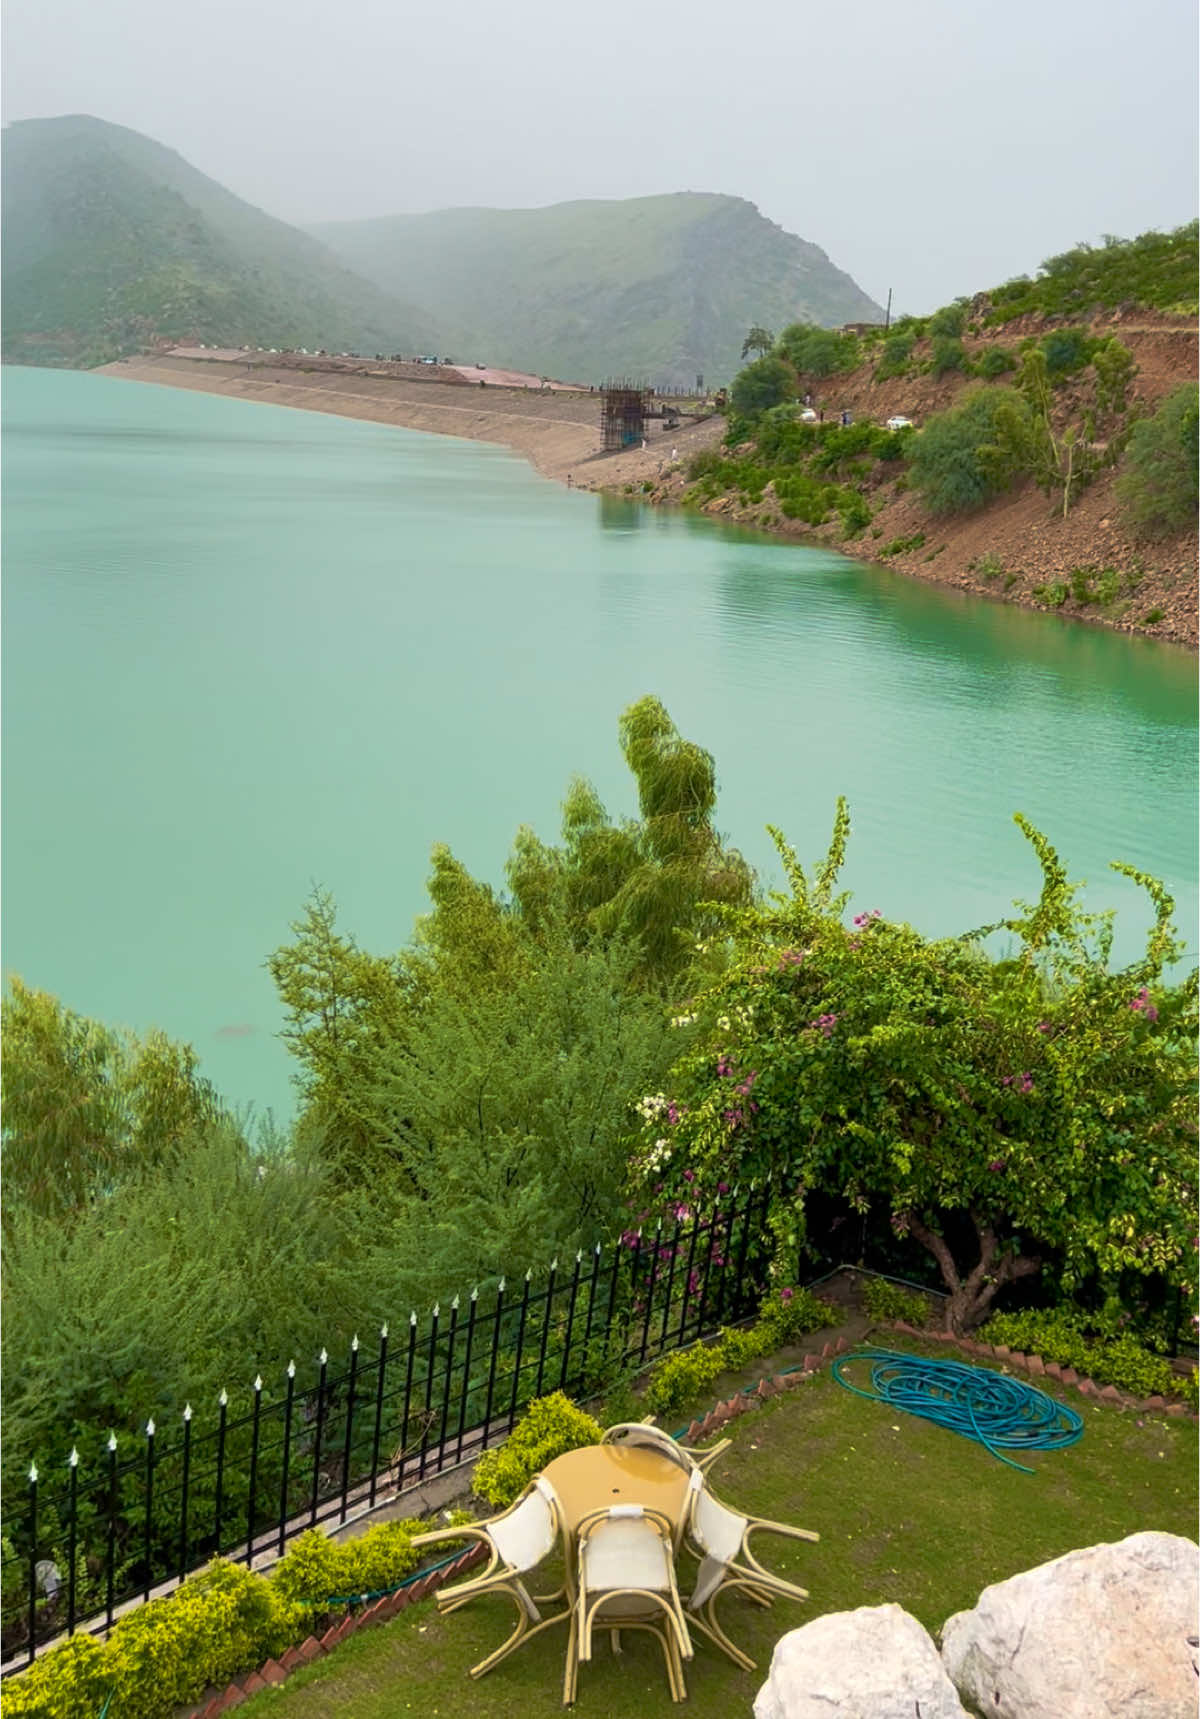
(905, 1511)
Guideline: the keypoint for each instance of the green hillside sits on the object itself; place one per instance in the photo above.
(657, 287)
(110, 240)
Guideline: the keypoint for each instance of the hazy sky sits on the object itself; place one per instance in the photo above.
(937, 147)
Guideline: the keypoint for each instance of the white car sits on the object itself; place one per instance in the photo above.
(808, 416)
(899, 424)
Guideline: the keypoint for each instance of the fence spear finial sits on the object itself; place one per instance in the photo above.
(187, 1411)
(73, 1459)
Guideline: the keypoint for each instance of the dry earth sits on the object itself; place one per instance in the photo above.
(1011, 551)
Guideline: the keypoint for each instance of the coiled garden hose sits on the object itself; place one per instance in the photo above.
(992, 1409)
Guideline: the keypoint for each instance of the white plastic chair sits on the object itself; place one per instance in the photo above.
(626, 1578)
(517, 1540)
(720, 1538)
(653, 1438)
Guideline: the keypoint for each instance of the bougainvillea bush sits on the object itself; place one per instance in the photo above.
(1009, 1114)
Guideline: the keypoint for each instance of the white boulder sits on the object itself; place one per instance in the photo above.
(873, 1663)
(1097, 1634)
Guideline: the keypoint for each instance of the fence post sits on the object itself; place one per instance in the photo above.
(287, 1455)
(562, 1374)
(612, 1296)
(687, 1278)
(408, 1379)
(446, 1385)
(316, 1478)
(73, 1460)
(183, 1491)
(726, 1255)
(110, 1559)
(627, 1353)
(666, 1318)
(650, 1291)
(743, 1250)
(149, 1508)
(595, 1278)
(223, 1403)
(433, 1331)
(253, 1470)
(466, 1384)
(546, 1326)
(33, 1558)
(349, 1425)
(512, 1407)
(491, 1384)
(383, 1343)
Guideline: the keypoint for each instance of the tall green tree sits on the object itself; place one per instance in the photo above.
(1009, 1115)
(1158, 489)
(759, 340)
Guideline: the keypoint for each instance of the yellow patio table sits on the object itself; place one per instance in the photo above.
(601, 1475)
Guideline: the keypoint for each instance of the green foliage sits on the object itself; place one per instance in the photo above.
(1054, 594)
(1045, 1098)
(789, 1313)
(316, 1569)
(903, 545)
(990, 566)
(220, 1623)
(948, 354)
(1157, 270)
(1158, 489)
(759, 340)
(683, 1376)
(1115, 368)
(817, 352)
(1067, 350)
(895, 356)
(550, 1426)
(995, 361)
(1065, 1335)
(956, 464)
(884, 1300)
(948, 323)
(767, 382)
(85, 1107)
(1152, 617)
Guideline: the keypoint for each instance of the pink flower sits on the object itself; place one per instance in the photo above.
(790, 958)
(629, 1238)
(996, 1164)
(672, 1114)
(724, 1066)
(826, 1023)
(723, 1188)
(786, 1294)
(734, 1118)
(1044, 1027)
(745, 1085)
(689, 1175)
(681, 1213)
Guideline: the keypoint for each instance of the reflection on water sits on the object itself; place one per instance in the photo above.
(247, 650)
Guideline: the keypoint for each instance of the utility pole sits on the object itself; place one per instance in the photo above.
(887, 315)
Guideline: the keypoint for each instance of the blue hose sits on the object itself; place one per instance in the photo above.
(993, 1410)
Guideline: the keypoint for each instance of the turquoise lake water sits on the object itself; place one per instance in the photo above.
(247, 650)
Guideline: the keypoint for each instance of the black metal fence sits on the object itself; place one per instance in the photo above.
(318, 1446)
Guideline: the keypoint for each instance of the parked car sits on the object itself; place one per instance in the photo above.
(808, 416)
(899, 424)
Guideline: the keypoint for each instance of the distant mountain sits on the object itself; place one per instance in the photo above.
(655, 287)
(111, 240)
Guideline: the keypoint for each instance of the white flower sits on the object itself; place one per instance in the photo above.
(683, 1020)
(723, 1023)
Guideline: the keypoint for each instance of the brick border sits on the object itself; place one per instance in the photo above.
(1039, 1368)
(379, 1611)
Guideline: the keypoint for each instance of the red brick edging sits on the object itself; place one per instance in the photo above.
(1047, 1369)
(379, 1611)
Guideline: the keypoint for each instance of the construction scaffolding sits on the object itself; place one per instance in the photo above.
(623, 414)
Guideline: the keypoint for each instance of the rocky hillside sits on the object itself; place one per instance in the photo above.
(1042, 456)
(111, 241)
(663, 288)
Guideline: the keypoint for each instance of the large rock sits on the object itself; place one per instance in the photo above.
(1097, 1634)
(874, 1663)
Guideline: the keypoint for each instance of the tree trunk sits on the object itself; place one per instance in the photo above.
(972, 1294)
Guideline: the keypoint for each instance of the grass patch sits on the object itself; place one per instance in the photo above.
(906, 1512)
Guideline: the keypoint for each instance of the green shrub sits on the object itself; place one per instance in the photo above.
(903, 545)
(1063, 1335)
(990, 566)
(995, 361)
(948, 323)
(739, 1348)
(948, 354)
(1156, 269)
(222, 1622)
(790, 1313)
(684, 1376)
(954, 460)
(316, 1568)
(70, 1682)
(884, 1300)
(1067, 350)
(1054, 595)
(893, 360)
(765, 383)
(1158, 488)
(550, 1426)
(1152, 617)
